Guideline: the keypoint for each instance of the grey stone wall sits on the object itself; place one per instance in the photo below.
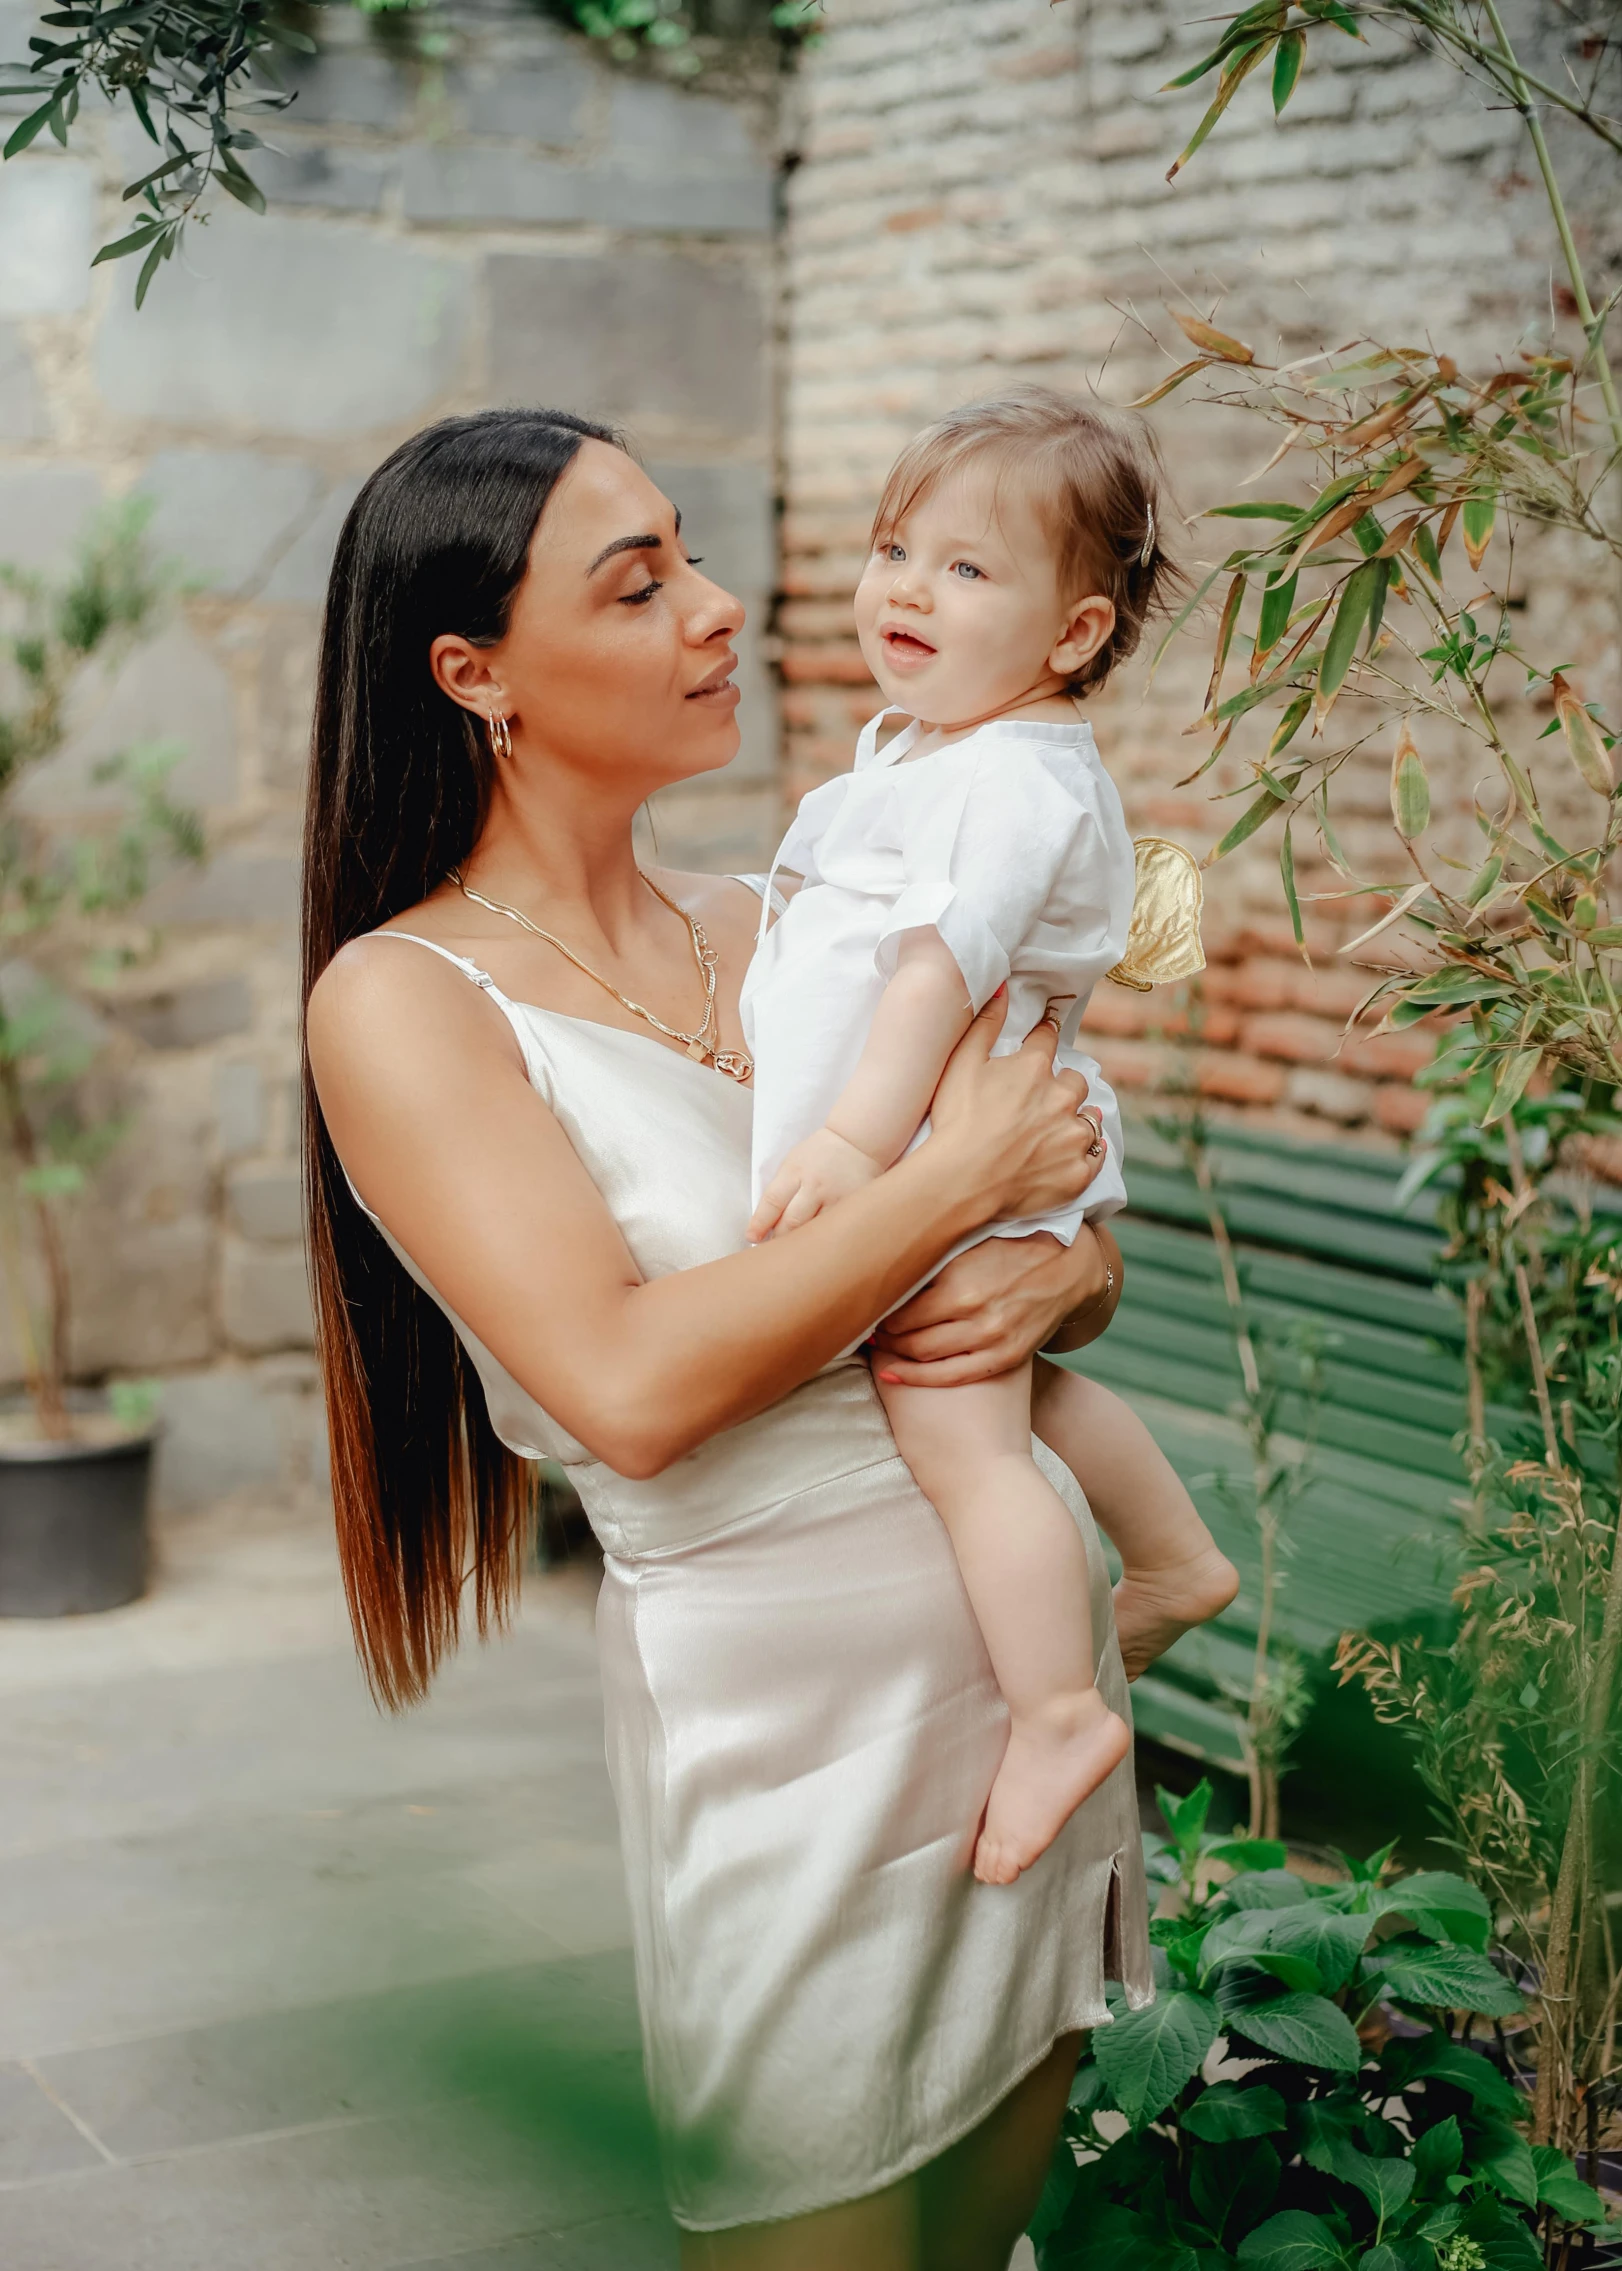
(518, 223)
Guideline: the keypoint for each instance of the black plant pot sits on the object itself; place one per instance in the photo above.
(73, 1525)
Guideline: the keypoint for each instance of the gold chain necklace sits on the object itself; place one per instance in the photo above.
(701, 1046)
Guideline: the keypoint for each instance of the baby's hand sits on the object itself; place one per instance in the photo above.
(815, 1174)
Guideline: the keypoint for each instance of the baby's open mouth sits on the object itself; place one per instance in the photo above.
(905, 642)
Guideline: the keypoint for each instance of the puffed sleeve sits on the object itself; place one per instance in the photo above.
(986, 843)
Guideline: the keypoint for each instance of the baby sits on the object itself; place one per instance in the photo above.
(1014, 559)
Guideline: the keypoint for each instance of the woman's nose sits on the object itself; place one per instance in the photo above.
(714, 612)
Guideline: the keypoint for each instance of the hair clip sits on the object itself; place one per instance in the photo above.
(1148, 539)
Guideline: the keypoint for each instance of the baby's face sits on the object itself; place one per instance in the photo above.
(959, 610)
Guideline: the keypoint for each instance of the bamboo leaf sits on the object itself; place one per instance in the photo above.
(1257, 508)
(1286, 869)
(1425, 545)
(1507, 1090)
(1392, 914)
(1212, 342)
(1185, 611)
(1382, 583)
(1341, 645)
(1233, 76)
(1156, 393)
(1399, 537)
(1288, 58)
(1277, 599)
(1485, 881)
(1584, 742)
(1288, 725)
(1252, 818)
(1410, 787)
(1479, 515)
(1224, 639)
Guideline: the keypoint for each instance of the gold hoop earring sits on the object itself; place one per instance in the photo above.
(501, 739)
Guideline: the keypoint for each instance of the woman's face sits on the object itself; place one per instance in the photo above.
(618, 657)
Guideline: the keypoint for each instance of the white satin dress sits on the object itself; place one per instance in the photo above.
(802, 1728)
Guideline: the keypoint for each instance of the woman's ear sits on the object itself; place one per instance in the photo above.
(463, 671)
(1088, 625)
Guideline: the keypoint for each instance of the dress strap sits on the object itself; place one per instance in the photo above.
(481, 978)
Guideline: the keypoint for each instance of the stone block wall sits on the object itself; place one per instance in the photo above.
(980, 196)
(519, 223)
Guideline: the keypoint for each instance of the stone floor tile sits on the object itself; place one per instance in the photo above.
(371, 2055)
(36, 2137)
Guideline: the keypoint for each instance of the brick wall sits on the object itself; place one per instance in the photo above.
(980, 196)
(516, 223)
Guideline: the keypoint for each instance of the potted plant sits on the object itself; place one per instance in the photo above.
(75, 1468)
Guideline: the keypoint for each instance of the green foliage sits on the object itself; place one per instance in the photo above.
(1514, 1721)
(63, 892)
(1306, 2092)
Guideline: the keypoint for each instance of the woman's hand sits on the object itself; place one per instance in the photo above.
(1012, 1126)
(993, 1306)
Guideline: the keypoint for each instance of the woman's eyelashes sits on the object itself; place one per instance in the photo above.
(644, 592)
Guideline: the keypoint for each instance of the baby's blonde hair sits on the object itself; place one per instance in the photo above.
(1095, 480)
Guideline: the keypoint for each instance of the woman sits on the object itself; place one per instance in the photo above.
(857, 2055)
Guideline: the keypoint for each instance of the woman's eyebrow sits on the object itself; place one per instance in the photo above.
(630, 544)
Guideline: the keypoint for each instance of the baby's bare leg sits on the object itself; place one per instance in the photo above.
(1173, 1575)
(1025, 1570)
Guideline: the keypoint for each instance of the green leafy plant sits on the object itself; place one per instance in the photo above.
(63, 895)
(1319, 2082)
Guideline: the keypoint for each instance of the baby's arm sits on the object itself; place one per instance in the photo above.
(922, 1015)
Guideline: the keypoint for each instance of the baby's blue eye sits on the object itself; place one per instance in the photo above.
(894, 552)
(965, 568)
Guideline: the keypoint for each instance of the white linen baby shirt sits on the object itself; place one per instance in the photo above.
(1012, 845)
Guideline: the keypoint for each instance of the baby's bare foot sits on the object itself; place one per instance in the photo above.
(1154, 1607)
(1055, 1758)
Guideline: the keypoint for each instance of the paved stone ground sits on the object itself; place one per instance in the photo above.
(288, 1986)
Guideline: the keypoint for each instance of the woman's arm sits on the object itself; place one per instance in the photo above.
(427, 1102)
(999, 1303)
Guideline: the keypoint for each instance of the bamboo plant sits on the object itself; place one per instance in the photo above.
(1369, 607)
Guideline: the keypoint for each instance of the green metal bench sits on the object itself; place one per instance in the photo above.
(1317, 1238)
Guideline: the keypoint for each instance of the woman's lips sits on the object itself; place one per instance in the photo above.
(718, 689)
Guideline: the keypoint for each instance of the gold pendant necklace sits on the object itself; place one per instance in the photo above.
(701, 1046)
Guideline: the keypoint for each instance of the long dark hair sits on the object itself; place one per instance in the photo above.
(438, 540)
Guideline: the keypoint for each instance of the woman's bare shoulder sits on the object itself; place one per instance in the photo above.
(384, 991)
